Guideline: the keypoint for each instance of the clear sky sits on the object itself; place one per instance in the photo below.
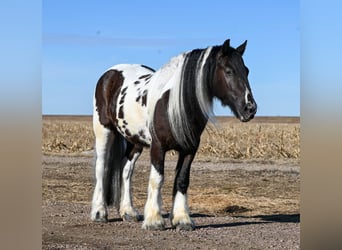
(81, 39)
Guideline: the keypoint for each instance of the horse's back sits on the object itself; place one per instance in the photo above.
(120, 101)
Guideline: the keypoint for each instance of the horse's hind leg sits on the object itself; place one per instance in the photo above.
(180, 216)
(104, 138)
(127, 211)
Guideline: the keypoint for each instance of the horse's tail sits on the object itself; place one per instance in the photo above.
(113, 171)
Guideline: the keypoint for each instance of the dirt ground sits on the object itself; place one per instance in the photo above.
(235, 205)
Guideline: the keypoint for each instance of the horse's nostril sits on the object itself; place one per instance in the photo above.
(251, 107)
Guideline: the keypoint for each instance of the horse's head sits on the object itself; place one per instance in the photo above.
(231, 84)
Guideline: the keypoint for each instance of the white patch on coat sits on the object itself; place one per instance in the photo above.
(103, 137)
(246, 95)
(126, 205)
(153, 206)
(181, 210)
(139, 117)
(163, 80)
(135, 114)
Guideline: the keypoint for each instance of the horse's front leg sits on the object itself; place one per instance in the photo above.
(180, 216)
(153, 219)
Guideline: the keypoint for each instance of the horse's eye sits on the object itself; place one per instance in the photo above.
(229, 72)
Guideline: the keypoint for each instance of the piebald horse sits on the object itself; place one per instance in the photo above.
(168, 109)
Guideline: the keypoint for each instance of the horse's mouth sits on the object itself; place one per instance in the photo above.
(243, 117)
(248, 112)
(245, 114)
(246, 118)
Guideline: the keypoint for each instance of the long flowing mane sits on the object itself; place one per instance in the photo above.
(190, 96)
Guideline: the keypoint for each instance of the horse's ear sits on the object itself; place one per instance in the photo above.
(241, 48)
(226, 46)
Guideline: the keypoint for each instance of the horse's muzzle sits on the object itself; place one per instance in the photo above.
(248, 112)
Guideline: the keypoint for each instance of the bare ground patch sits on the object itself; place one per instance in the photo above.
(242, 205)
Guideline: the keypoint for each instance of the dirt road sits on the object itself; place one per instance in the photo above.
(234, 205)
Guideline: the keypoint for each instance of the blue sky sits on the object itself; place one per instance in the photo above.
(81, 39)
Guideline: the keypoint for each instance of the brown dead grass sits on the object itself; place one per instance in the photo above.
(67, 136)
(251, 141)
(263, 139)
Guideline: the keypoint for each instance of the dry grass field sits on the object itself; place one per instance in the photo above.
(262, 139)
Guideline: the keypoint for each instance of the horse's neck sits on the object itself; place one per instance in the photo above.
(198, 119)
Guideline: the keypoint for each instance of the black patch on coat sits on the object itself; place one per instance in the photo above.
(128, 133)
(106, 93)
(121, 113)
(146, 67)
(142, 134)
(145, 76)
(122, 99)
(144, 100)
(123, 91)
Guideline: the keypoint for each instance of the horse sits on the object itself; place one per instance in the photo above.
(137, 107)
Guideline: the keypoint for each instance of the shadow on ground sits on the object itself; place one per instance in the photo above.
(264, 219)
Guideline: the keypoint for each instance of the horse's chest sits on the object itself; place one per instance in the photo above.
(131, 113)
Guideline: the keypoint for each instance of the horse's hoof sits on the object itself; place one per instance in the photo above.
(184, 223)
(131, 218)
(154, 227)
(185, 227)
(99, 218)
